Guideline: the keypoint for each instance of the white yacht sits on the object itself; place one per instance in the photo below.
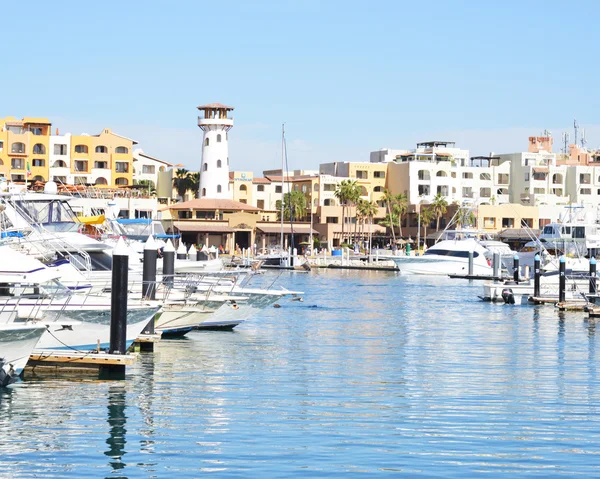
(17, 342)
(448, 257)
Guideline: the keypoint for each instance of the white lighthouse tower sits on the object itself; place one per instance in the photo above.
(214, 169)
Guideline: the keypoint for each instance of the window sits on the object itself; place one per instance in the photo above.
(122, 149)
(378, 189)
(205, 167)
(527, 222)
(557, 191)
(204, 189)
(205, 215)
(423, 175)
(260, 188)
(260, 204)
(121, 181)
(81, 149)
(39, 162)
(423, 189)
(485, 192)
(304, 188)
(60, 149)
(329, 187)
(245, 201)
(332, 220)
(206, 142)
(539, 175)
(39, 149)
(329, 202)
(362, 175)
(489, 222)
(218, 138)
(485, 176)
(278, 189)
(585, 178)
(100, 164)
(467, 176)
(184, 215)
(218, 163)
(316, 187)
(379, 174)
(1, 145)
(16, 164)
(503, 179)
(121, 167)
(218, 188)
(81, 165)
(585, 191)
(526, 176)
(441, 173)
(17, 148)
(101, 181)
(508, 223)
(59, 179)
(467, 192)
(59, 164)
(148, 169)
(453, 174)
(243, 188)
(101, 149)
(557, 179)
(295, 187)
(17, 177)
(539, 191)
(502, 191)
(442, 190)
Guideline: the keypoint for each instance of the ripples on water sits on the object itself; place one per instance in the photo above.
(372, 373)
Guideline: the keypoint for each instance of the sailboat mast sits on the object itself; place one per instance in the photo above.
(282, 180)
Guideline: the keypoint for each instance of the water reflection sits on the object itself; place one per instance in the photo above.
(116, 433)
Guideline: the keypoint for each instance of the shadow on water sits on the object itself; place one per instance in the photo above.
(116, 434)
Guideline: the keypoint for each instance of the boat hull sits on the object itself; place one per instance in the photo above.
(16, 345)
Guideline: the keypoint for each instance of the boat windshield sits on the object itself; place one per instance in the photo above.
(140, 228)
(54, 215)
(447, 252)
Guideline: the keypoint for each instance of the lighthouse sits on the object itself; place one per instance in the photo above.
(214, 169)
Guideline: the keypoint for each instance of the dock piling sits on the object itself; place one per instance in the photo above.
(118, 309)
(496, 265)
(593, 275)
(169, 264)
(536, 275)
(516, 268)
(470, 263)
(149, 269)
(562, 265)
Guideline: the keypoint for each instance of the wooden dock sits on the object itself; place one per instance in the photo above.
(363, 268)
(482, 277)
(542, 300)
(82, 362)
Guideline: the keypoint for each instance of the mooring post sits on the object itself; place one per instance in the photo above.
(496, 265)
(562, 280)
(592, 275)
(193, 253)
(168, 269)
(516, 268)
(181, 251)
(537, 273)
(118, 308)
(149, 269)
(470, 263)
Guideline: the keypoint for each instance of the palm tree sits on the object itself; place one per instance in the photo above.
(181, 181)
(294, 206)
(465, 217)
(400, 208)
(368, 209)
(346, 193)
(388, 198)
(427, 216)
(194, 183)
(439, 206)
(148, 185)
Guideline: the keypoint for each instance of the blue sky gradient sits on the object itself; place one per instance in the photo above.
(347, 77)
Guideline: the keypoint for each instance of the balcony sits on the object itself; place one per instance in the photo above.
(202, 122)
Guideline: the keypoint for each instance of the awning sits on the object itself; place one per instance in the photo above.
(91, 220)
(287, 229)
(541, 170)
(518, 234)
(198, 227)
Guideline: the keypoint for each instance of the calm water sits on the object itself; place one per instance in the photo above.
(372, 373)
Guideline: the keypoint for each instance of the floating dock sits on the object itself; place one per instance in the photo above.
(84, 362)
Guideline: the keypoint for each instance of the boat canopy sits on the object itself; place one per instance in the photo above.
(134, 221)
(91, 220)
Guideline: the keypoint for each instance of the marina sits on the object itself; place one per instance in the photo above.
(378, 384)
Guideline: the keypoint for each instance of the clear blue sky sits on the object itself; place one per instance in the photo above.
(347, 77)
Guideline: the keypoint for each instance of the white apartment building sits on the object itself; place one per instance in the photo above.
(59, 157)
(583, 185)
(146, 167)
(431, 149)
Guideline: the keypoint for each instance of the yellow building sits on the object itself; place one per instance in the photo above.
(103, 159)
(24, 148)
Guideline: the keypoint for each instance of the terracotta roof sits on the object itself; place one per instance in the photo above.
(212, 204)
(259, 181)
(290, 179)
(201, 227)
(215, 105)
(541, 170)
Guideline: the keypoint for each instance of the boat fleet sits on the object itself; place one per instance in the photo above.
(55, 284)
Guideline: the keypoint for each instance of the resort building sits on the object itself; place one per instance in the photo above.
(146, 167)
